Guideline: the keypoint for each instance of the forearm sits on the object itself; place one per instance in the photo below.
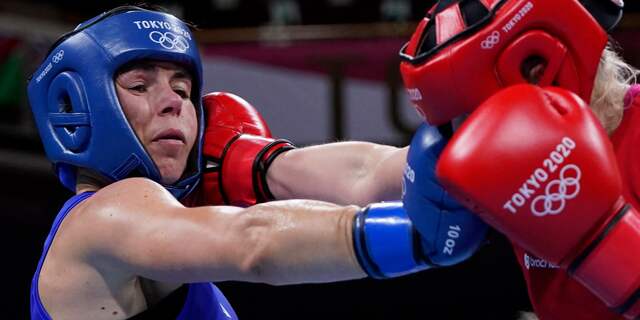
(344, 172)
(300, 241)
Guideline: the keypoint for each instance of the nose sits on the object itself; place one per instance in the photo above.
(169, 101)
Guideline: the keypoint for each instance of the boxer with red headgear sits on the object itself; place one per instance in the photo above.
(484, 46)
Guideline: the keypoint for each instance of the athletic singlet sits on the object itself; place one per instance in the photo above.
(555, 295)
(203, 300)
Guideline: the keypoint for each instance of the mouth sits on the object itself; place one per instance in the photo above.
(170, 135)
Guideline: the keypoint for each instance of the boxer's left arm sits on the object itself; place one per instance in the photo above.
(342, 172)
(236, 138)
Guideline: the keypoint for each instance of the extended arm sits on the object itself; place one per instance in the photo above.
(159, 239)
(342, 172)
(147, 233)
(245, 165)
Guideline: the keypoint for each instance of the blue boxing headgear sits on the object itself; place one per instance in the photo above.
(74, 101)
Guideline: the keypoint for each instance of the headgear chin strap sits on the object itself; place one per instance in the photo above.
(464, 51)
(74, 100)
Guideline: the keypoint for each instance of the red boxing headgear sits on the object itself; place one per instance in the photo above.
(465, 50)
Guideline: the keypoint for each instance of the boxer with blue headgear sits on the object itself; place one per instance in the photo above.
(74, 101)
(124, 246)
(82, 123)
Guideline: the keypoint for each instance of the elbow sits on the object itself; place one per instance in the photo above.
(255, 237)
(258, 269)
(255, 266)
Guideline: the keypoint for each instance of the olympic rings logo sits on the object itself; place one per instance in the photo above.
(58, 56)
(491, 40)
(169, 40)
(557, 192)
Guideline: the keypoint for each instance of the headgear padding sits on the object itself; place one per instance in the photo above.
(74, 101)
(464, 51)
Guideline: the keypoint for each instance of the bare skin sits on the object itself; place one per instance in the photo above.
(345, 173)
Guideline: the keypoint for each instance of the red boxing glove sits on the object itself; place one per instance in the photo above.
(237, 150)
(535, 164)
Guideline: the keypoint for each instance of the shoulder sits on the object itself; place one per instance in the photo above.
(126, 193)
(117, 208)
(129, 198)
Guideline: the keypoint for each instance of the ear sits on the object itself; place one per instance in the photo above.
(68, 116)
(558, 65)
(532, 69)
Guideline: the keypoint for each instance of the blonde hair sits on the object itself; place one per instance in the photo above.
(612, 81)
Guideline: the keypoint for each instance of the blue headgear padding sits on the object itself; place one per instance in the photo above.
(74, 101)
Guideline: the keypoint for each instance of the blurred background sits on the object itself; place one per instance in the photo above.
(319, 71)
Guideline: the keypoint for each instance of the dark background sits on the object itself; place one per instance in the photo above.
(489, 286)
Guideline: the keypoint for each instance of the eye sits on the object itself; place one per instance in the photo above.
(141, 88)
(184, 94)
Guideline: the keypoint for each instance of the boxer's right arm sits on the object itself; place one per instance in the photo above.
(536, 164)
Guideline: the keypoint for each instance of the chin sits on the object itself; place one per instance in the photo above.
(171, 174)
(169, 180)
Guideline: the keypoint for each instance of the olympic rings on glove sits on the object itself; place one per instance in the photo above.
(553, 202)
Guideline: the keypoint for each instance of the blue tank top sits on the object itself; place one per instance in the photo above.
(203, 301)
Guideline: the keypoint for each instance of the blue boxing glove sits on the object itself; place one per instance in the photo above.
(449, 232)
(427, 229)
(384, 241)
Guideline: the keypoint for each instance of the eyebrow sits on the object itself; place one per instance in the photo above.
(145, 66)
(182, 74)
(149, 66)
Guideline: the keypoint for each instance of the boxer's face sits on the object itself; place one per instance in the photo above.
(155, 97)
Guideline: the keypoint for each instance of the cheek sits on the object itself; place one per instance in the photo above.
(192, 124)
(137, 117)
(134, 113)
